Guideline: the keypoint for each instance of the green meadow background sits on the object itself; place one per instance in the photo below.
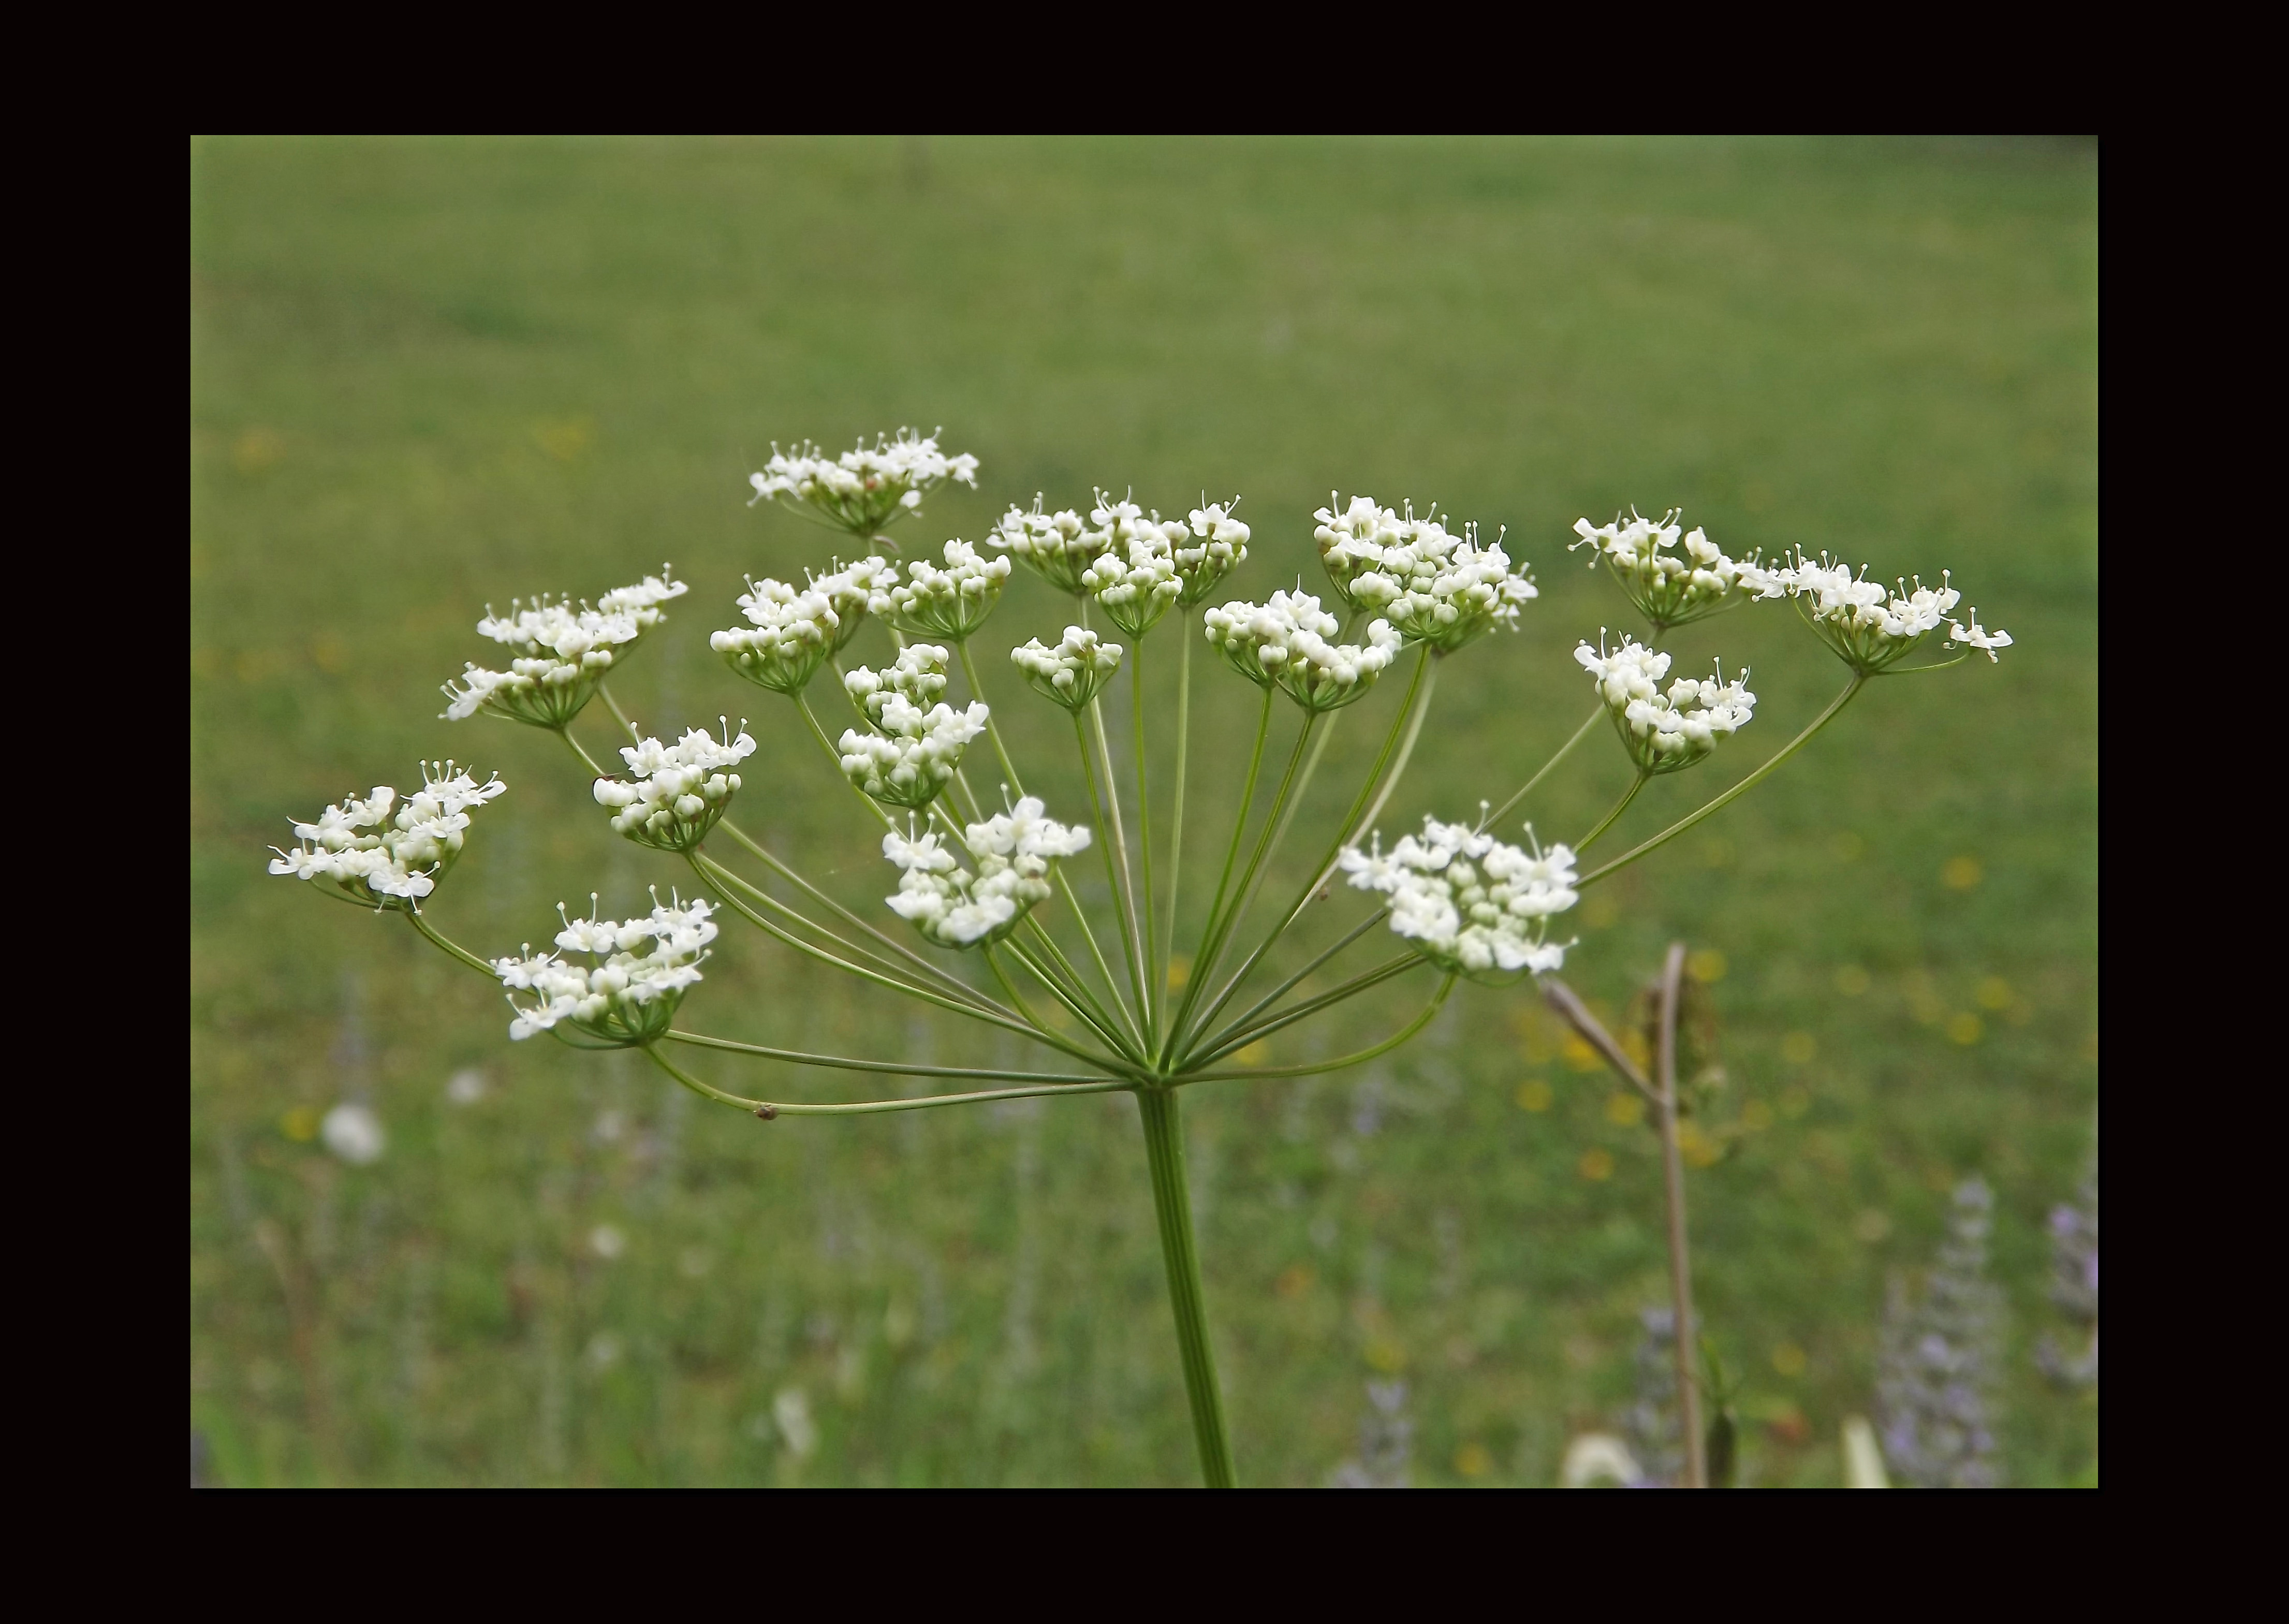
(431, 375)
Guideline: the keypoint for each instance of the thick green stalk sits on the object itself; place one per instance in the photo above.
(1732, 795)
(1172, 1204)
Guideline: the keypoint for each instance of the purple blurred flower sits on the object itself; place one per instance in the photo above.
(1935, 1373)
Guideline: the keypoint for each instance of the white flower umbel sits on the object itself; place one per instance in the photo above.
(1134, 575)
(951, 602)
(915, 754)
(1871, 629)
(1669, 583)
(956, 909)
(637, 973)
(1433, 586)
(562, 653)
(675, 793)
(1056, 547)
(793, 631)
(917, 677)
(865, 488)
(1218, 546)
(1467, 901)
(1074, 672)
(856, 590)
(1664, 730)
(1285, 641)
(358, 851)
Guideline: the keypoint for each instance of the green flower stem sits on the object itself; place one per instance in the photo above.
(1196, 975)
(835, 755)
(1411, 712)
(586, 760)
(701, 865)
(1835, 705)
(1288, 986)
(992, 728)
(1105, 1020)
(1606, 822)
(1172, 1204)
(697, 1086)
(962, 989)
(1315, 1067)
(1236, 1038)
(440, 939)
(1275, 824)
(1114, 869)
(1154, 983)
(1088, 934)
(895, 1069)
(1176, 812)
(820, 897)
(1131, 931)
(1564, 750)
(604, 693)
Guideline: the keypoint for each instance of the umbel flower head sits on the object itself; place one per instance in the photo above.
(1217, 547)
(359, 852)
(637, 973)
(793, 631)
(1871, 629)
(1074, 672)
(562, 653)
(1468, 902)
(865, 488)
(1285, 643)
(675, 793)
(1668, 586)
(918, 675)
(956, 909)
(1433, 586)
(914, 752)
(952, 602)
(1056, 547)
(1664, 732)
(1134, 576)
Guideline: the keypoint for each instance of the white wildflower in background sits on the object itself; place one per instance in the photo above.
(355, 1134)
(918, 675)
(358, 851)
(465, 1086)
(608, 1242)
(1074, 672)
(865, 488)
(1664, 730)
(562, 653)
(950, 602)
(1058, 547)
(1669, 585)
(915, 753)
(791, 1412)
(1869, 627)
(638, 971)
(956, 909)
(1469, 902)
(1285, 641)
(1432, 584)
(675, 793)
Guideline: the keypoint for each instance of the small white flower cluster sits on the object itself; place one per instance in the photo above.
(1058, 547)
(563, 652)
(1870, 628)
(796, 629)
(1013, 852)
(914, 752)
(865, 488)
(1668, 587)
(917, 677)
(1665, 731)
(363, 855)
(676, 792)
(1073, 673)
(951, 602)
(1147, 565)
(1433, 586)
(638, 971)
(1469, 902)
(1285, 641)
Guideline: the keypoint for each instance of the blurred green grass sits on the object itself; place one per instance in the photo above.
(429, 374)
